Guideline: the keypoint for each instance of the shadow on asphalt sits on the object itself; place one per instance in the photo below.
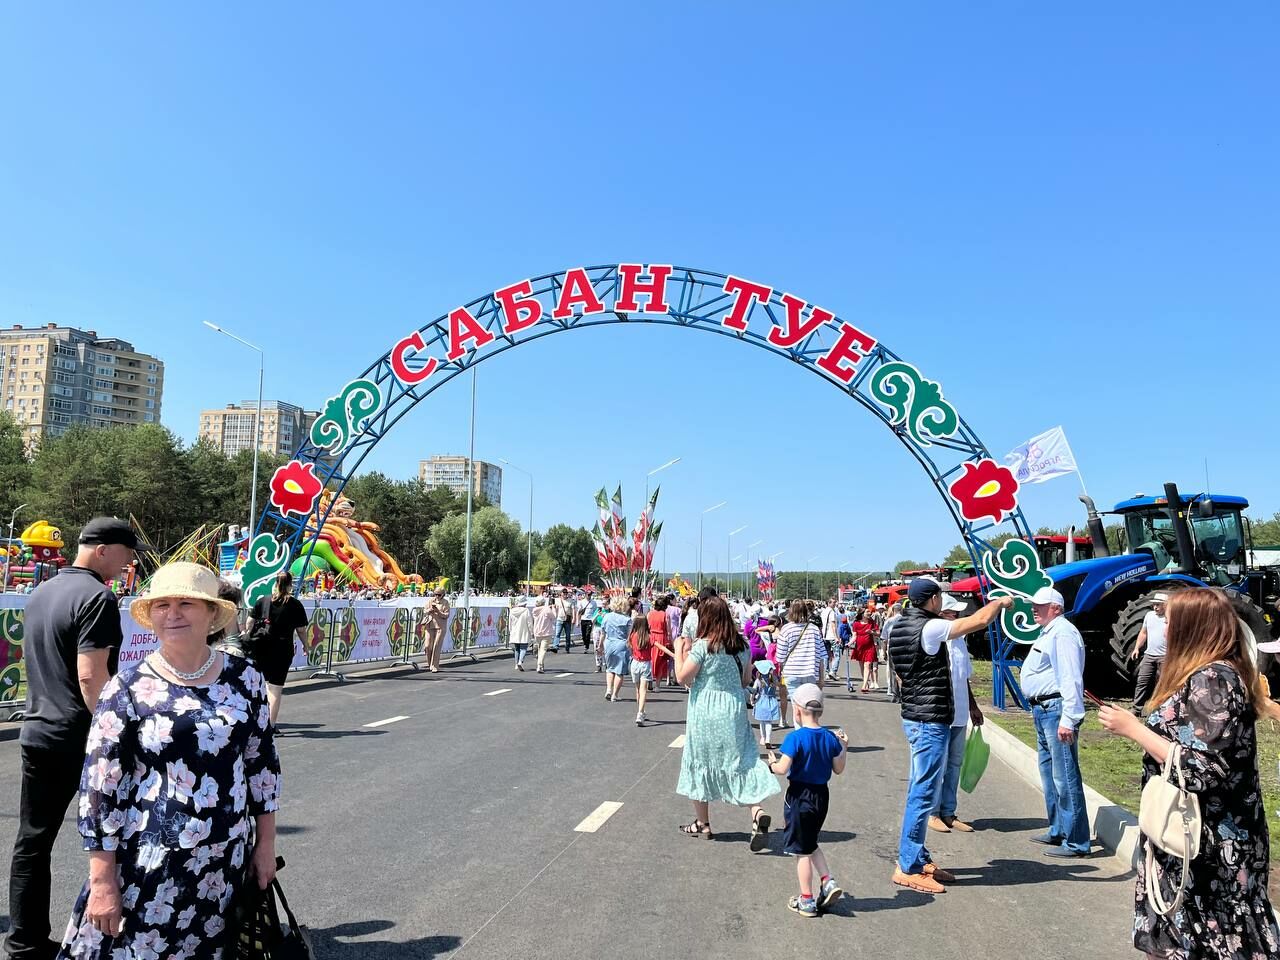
(1010, 824)
(870, 748)
(848, 906)
(326, 942)
(328, 734)
(775, 837)
(1013, 873)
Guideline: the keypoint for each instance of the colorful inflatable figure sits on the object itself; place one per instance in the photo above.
(349, 549)
(38, 557)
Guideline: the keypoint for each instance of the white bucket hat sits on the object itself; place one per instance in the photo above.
(184, 580)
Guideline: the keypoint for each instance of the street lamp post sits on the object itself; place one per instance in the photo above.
(13, 517)
(729, 563)
(528, 569)
(257, 422)
(485, 587)
(645, 546)
(806, 573)
(754, 543)
(700, 518)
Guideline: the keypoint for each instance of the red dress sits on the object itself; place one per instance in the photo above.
(658, 635)
(864, 644)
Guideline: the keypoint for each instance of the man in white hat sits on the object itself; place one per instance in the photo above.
(1053, 682)
(1151, 639)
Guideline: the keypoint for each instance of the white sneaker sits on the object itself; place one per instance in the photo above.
(640, 719)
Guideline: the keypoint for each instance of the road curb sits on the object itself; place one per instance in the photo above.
(1113, 826)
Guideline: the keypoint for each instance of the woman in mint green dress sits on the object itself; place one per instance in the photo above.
(720, 761)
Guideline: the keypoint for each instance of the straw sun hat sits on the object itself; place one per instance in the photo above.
(184, 580)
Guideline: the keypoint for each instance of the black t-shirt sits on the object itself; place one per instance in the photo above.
(70, 614)
(281, 618)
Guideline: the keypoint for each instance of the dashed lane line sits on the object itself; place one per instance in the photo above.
(383, 723)
(494, 693)
(562, 675)
(597, 818)
(677, 743)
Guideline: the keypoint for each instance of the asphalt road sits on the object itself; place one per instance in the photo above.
(451, 832)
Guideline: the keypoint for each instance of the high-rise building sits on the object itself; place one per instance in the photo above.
(53, 377)
(230, 429)
(451, 472)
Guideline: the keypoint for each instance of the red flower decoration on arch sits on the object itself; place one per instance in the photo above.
(295, 488)
(985, 489)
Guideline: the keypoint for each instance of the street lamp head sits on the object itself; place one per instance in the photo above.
(716, 507)
(734, 533)
(669, 463)
(212, 326)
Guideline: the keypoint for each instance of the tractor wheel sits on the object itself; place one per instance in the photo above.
(1124, 632)
(1254, 620)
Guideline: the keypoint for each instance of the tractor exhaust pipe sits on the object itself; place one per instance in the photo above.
(1096, 533)
(1178, 515)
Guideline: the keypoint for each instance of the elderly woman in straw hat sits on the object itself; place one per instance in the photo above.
(180, 785)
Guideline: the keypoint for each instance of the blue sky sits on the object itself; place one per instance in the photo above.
(1066, 217)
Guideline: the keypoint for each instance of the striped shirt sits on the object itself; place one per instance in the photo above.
(801, 651)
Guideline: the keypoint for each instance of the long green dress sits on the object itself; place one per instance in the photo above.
(721, 760)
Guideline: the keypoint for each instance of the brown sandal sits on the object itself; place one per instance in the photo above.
(697, 829)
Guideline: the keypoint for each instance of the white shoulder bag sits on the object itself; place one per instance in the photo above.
(1170, 818)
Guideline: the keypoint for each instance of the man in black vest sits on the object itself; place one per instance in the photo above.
(918, 653)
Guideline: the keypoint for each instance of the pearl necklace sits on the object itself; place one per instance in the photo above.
(181, 675)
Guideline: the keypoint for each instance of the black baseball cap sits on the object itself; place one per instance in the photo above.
(109, 530)
(922, 590)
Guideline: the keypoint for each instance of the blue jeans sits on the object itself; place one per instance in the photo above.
(928, 756)
(564, 631)
(1060, 777)
(944, 801)
(520, 650)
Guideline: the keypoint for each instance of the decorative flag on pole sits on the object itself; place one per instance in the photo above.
(1042, 458)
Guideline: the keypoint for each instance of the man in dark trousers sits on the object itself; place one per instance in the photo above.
(919, 654)
(72, 636)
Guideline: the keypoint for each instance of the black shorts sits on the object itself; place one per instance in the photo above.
(804, 811)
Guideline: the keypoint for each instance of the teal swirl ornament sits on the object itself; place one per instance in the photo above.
(1018, 622)
(1016, 568)
(345, 415)
(914, 401)
(267, 557)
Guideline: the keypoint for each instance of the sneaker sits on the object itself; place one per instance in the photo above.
(805, 906)
(599, 669)
(917, 881)
(608, 697)
(640, 719)
(829, 894)
(540, 670)
(520, 667)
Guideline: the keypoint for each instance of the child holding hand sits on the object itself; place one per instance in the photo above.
(810, 755)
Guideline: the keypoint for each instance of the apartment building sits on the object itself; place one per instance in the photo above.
(230, 429)
(52, 377)
(451, 472)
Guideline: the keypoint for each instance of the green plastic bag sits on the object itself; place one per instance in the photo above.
(976, 754)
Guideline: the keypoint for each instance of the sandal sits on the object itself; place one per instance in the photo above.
(760, 832)
(697, 829)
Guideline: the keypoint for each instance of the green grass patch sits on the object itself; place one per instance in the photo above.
(1113, 765)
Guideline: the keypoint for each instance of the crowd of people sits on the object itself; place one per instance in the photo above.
(179, 781)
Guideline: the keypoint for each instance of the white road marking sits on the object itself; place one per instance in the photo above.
(597, 818)
(677, 742)
(559, 675)
(383, 723)
(494, 693)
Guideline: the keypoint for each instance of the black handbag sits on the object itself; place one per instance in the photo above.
(259, 933)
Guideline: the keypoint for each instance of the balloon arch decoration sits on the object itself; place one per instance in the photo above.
(980, 494)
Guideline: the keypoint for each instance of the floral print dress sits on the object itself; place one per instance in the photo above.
(1225, 914)
(172, 776)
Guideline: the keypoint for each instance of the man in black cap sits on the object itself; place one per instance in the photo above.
(72, 635)
(918, 653)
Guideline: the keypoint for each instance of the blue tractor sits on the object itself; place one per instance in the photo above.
(1171, 543)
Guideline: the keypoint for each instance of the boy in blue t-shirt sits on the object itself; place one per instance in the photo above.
(810, 754)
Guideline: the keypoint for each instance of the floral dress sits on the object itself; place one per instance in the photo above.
(1225, 914)
(172, 776)
(721, 760)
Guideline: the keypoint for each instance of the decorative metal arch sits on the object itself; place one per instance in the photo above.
(980, 495)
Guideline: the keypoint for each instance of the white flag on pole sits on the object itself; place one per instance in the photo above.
(1042, 458)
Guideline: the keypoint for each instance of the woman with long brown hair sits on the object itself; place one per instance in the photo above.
(1207, 702)
(720, 760)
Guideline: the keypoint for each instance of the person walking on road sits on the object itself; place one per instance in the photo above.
(864, 651)
(800, 653)
(643, 650)
(720, 761)
(1207, 704)
(894, 612)
(437, 622)
(564, 608)
(1053, 682)
(617, 650)
(544, 626)
(810, 755)
(72, 637)
(274, 621)
(586, 616)
(521, 630)
(944, 819)
(662, 663)
(1150, 647)
(917, 648)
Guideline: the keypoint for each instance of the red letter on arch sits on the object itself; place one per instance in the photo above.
(852, 346)
(744, 292)
(520, 309)
(577, 290)
(654, 289)
(797, 329)
(406, 376)
(463, 327)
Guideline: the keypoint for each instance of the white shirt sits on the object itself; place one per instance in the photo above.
(1157, 627)
(961, 671)
(830, 622)
(1055, 664)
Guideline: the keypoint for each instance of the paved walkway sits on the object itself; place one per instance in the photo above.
(451, 831)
